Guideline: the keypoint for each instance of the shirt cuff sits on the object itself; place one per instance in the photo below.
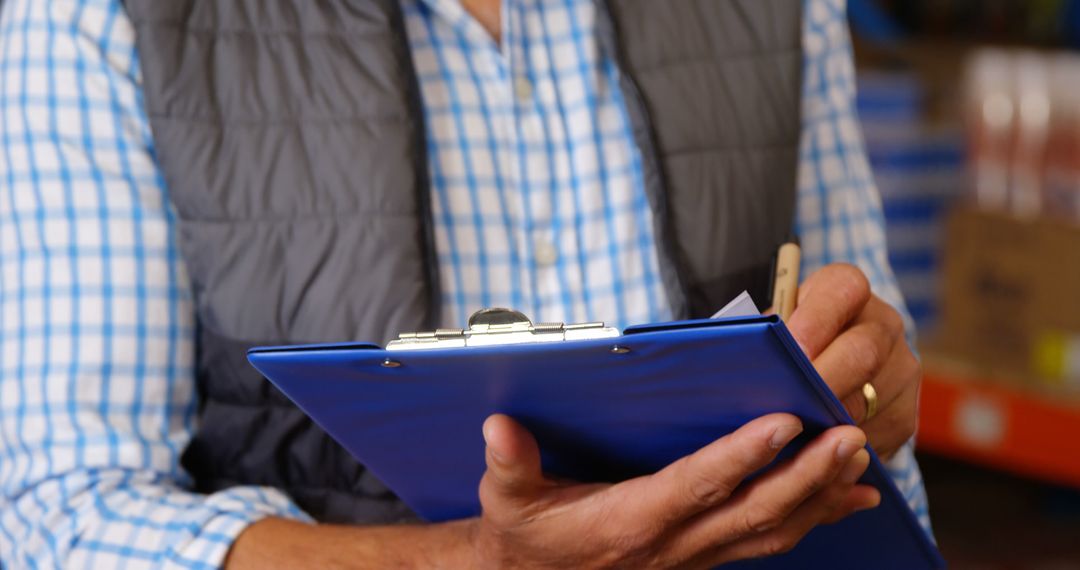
(137, 520)
(232, 512)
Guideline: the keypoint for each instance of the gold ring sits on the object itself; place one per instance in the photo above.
(870, 394)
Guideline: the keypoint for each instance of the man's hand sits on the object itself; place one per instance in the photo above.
(687, 516)
(853, 338)
(692, 514)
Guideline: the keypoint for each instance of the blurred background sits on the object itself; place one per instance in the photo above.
(971, 110)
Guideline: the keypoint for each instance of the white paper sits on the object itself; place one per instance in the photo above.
(741, 306)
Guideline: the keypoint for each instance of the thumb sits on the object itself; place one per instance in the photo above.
(513, 459)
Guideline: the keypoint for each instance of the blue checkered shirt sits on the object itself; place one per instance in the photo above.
(538, 201)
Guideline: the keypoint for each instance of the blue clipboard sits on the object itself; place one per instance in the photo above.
(598, 415)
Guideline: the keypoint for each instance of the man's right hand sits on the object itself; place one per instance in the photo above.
(689, 515)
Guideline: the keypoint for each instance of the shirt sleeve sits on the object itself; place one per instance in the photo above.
(97, 389)
(839, 214)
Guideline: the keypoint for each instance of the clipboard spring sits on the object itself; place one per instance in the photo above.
(495, 327)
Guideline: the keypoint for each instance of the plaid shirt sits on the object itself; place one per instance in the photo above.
(539, 204)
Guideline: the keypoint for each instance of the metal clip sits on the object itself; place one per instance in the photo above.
(494, 327)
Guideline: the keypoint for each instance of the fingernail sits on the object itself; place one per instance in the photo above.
(851, 472)
(490, 449)
(784, 434)
(846, 450)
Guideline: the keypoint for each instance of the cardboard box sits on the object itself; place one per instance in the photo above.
(1011, 299)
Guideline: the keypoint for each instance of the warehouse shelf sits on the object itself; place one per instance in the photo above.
(1026, 431)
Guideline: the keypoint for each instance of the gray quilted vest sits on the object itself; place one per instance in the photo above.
(291, 137)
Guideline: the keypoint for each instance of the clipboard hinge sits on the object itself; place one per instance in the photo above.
(496, 327)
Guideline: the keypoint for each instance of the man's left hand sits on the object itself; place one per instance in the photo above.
(853, 337)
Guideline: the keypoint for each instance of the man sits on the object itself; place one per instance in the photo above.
(224, 174)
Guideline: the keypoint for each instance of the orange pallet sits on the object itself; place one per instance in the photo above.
(1030, 434)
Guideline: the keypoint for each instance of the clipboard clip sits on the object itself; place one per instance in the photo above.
(497, 327)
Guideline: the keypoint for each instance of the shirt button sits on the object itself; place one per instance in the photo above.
(523, 89)
(546, 254)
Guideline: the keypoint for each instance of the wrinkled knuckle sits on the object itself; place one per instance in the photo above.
(814, 482)
(866, 355)
(643, 539)
(777, 545)
(707, 491)
(761, 519)
(818, 482)
(883, 342)
(633, 546)
(651, 558)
